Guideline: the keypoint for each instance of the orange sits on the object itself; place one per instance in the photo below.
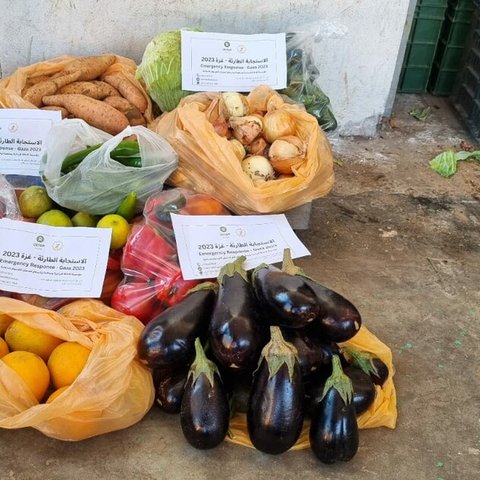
(5, 321)
(55, 218)
(31, 369)
(20, 336)
(66, 362)
(119, 226)
(3, 348)
(56, 394)
(34, 201)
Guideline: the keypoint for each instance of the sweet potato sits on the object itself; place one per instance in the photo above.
(36, 92)
(93, 89)
(128, 90)
(91, 67)
(65, 113)
(95, 112)
(133, 114)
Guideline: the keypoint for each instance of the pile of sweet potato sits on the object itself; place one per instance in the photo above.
(89, 89)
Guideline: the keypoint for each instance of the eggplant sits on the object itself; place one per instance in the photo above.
(338, 319)
(168, 339)
(363, 389)
(204, 413)
(312, 353)
(236, 333)
(169, 391)
(368, 363)
(333, 427)
(275, 407)
(286, 300)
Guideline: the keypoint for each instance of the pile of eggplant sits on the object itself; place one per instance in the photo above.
(264, 343)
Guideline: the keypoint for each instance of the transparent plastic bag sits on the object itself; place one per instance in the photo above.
(153, 279)
(8, 201)
(99, 183)
(303, 79)
(113, 391)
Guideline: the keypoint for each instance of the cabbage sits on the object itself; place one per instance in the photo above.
(161, 70)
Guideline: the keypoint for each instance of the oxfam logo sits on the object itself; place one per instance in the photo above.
(40, 238)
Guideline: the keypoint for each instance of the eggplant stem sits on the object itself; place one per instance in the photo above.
(277, 352)
(230, 269)
(202, 364)
(339, 381)
(289, 267)
(203, 286)
(362, 360)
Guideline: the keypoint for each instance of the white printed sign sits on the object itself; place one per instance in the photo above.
(228, 62)
(23, 134)
(205, 243)
(64, 262)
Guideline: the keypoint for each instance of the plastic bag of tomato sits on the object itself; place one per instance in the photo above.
(153, 280)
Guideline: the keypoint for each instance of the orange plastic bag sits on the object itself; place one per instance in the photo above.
(382, 412)
(113, 391)
(208, 164)
(11, 87)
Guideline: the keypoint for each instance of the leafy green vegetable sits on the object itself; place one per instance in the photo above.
(161, 70)
(446, 162)
(421, 113)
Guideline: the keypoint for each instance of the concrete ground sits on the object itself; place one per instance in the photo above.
(403, 244)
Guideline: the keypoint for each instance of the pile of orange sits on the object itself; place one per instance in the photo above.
(46, 364)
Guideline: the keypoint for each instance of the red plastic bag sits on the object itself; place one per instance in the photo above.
(153, 280)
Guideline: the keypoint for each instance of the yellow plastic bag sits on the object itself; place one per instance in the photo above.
(382, 412)
(113, 391)
(11, 87)
(208, 164)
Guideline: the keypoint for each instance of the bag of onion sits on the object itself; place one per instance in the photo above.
(254, 153)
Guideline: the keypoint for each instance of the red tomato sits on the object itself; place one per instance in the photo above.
(137, 299)
(148, 253)
(114, 258)
(178, 289)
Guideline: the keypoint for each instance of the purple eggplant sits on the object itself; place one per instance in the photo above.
(363, 389)
(169, 390)
(368, 363)
(236, 333)
(333, 428)
(275, 408)
(312, 353)
(286, 300)
(168, 340)
(338, 319)
(205, 412)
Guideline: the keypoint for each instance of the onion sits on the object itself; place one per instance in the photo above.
(238, 148)
(276, 124)
(246, 129)
(258, 168)
(286, 152)
(233, 104)
(258, 147)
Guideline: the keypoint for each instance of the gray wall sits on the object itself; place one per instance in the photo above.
(357, 41)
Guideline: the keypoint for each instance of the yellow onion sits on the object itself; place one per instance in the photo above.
(246, 129)
(238, 148)
(258, 147)
(233, 104)
(286, 152)
(277, 123)
(258, 168)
